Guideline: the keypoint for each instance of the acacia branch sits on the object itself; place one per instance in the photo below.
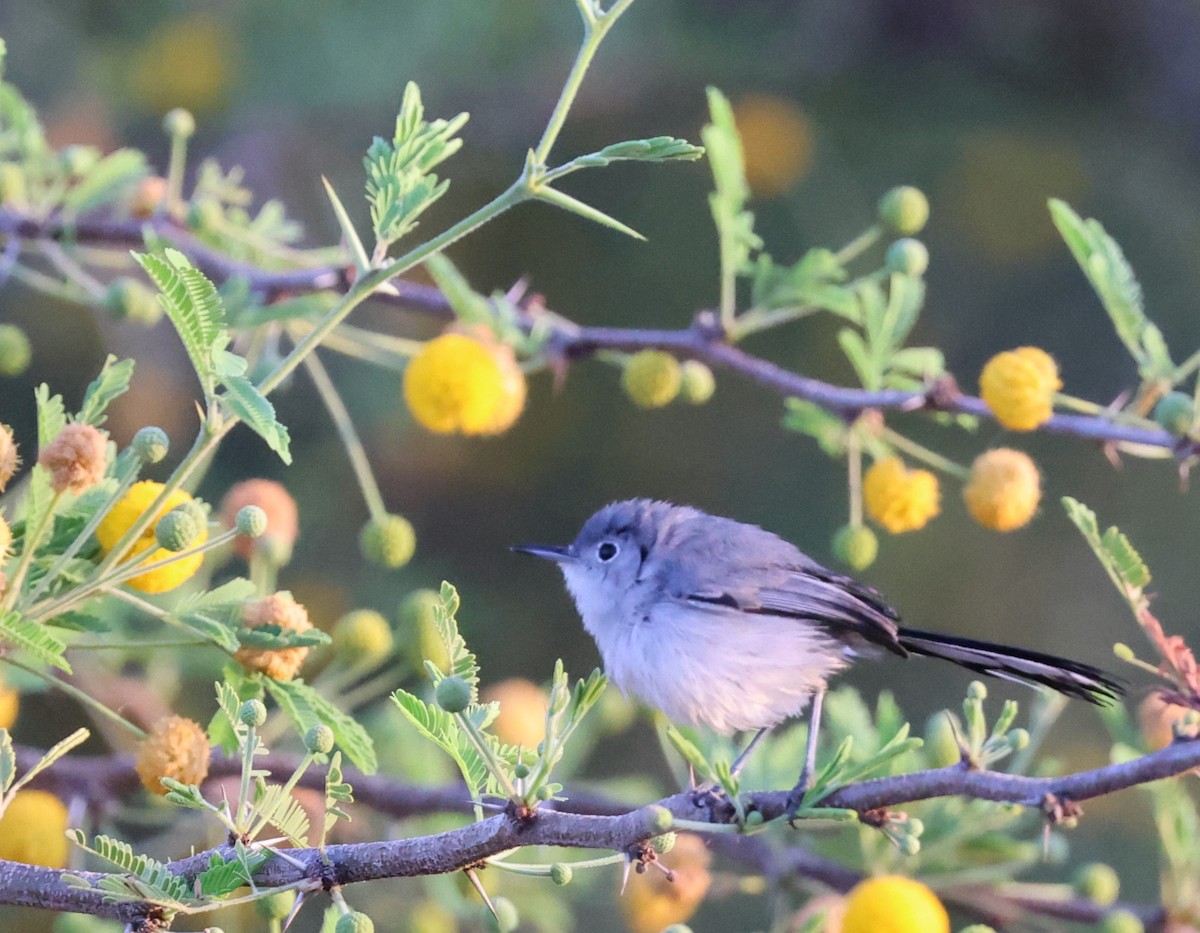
(704, 340)
(607, 825)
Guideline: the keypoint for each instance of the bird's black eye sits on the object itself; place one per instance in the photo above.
(606, 551)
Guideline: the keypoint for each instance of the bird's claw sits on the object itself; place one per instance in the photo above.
(795, 796)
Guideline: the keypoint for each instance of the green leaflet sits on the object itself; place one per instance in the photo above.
(244, 400)
(34, 639)
(111, 383)
(307, 708)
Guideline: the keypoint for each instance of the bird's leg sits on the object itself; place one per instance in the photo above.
(810, 755)
(740, 762)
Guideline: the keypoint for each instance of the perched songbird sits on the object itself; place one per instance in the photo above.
(724, 625)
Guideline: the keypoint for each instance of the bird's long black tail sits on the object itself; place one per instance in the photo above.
(1026, 667)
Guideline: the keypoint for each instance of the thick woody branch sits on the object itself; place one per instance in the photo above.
(608, 826)
(703, 341)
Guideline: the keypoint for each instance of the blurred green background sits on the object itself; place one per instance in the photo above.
(990, 109)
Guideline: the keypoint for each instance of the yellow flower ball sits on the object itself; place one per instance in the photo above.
(894, 904)
(777, 143)
(1019, 386)
(522, 718)
(898, 498)
(459, 385)
(652, 378)
(176, 748)
(10, 703)
(1004, 490)
(33, 830)
(121, 518)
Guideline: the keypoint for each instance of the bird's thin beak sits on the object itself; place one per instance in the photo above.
(554, 552)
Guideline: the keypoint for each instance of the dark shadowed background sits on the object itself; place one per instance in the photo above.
(991, 109)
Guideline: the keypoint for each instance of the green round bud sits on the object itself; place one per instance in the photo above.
(1121, 921)
(12, 183)
(78, 160)
(521, 771)
(909, 845)
(363, 638)
(1176, 412)
(663, 819)
(252, 713)
(418, 628)
(388, 541)
(15, 351)
(907, 257)
(561, 874)
(976, 690)
(276, 906)
(319, 739)
(453, 694)
(1097, 882)
(755, 818)
(546, 791)
(1018, 739)
(181, 123)
(251, 521)
(916, 826)
(664, 843)
(904, 209)
(941, 743)
(504, 920)
(150, 444)
(354, 922)
(177, 530)
(652, 378)
(130, 299)
(698, 384)
(855, 546)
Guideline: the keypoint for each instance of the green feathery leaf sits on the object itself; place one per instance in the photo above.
(33, 638)
(244, 400)
(306, 708)
(110, 384)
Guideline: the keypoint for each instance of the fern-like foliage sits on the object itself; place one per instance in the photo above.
(222, 878)
(400, 181)
(274, 804)
(1117, 554)
(144, 878)
(111, 383)
(25, 635)
(306, 708)
(337, 793)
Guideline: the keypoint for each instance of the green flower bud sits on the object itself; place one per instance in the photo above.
(1097, 882)
(251, 521)
(319, 739)
(177, 530)
(1176, 412)
(130, 299)
(916, 826)
(940, 741)
(521, 771)
(909, 845)
(388, 541)
(976, 690)
(12, 183)
(453, 694)
(78, 160)
(1121, 921)
(904, 209)
(150, 444)
(276, 906)
(907, 257)
(362, 638)
(855, 546)
(181, 123)
(561, 874)
(354, 922)
(504, 920)
(252, 713)
(418, 628)
(652, 378)
(664, 843)
(547, 791)
(663, 820)
(1018, 739)
(755, 818)
(1123, 651)
(699, 383)
(15, 351)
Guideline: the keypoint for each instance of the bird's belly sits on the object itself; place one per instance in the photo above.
(719, 668)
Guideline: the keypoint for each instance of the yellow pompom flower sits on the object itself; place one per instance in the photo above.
(894, 904)
(281, 610)
(522, 719)
(176, 748)
(459, 385)
(33, 830)
(1019, 385)
(652, 378)
(10, 702)
(121, 518)
(777, 143)
(898, 498)
(1004, 490)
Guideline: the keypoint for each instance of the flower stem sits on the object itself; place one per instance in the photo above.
(859, 245)
(925, 455)
(28, 548)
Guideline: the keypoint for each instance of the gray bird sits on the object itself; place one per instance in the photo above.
(724, 625)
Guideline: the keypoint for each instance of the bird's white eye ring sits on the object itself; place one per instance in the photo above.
(606, 551)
